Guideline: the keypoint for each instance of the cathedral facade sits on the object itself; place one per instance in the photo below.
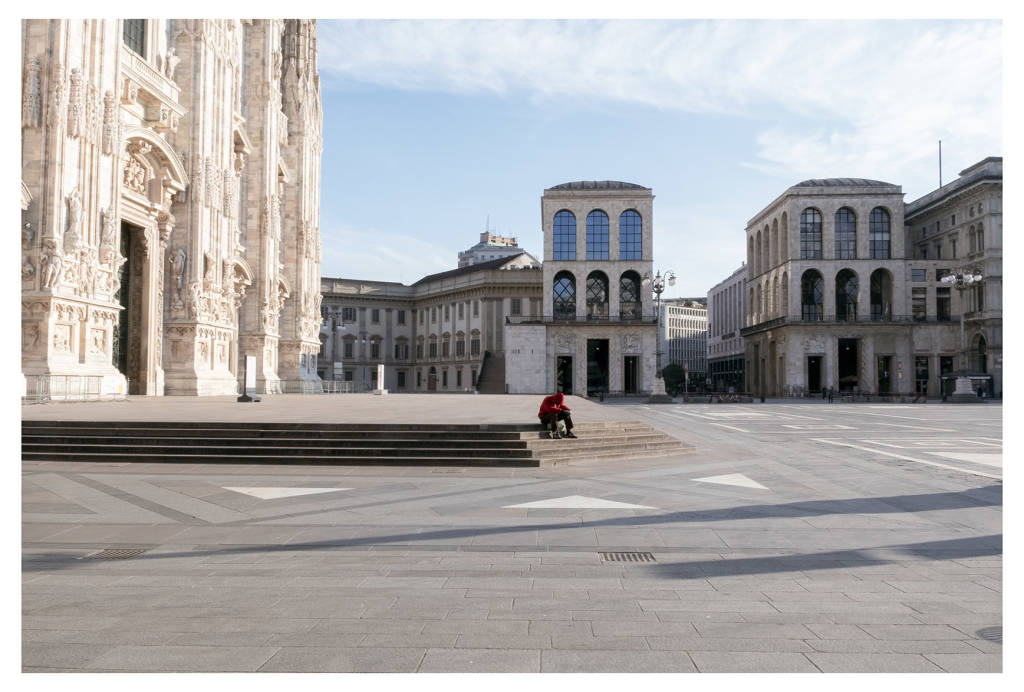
(170, 204)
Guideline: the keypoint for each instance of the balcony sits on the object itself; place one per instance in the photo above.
(826, 319)
(563, 318)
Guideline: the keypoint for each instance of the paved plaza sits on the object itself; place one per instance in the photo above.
(800, 537)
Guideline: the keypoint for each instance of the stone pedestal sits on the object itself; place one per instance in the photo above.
(964, 393)
(658, 395)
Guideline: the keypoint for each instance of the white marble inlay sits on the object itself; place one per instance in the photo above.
(732, 479)
(577, 502)
(988, 459)
(275, 493)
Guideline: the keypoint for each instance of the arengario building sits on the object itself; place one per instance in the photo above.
(170, 204)
(844, 286)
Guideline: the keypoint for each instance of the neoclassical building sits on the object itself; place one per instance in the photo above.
(597, 332)
(837, 296)
(444, 333)
(170, 203)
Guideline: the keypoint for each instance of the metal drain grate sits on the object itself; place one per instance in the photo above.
(991, 634)
(116, 554)
(628, 557)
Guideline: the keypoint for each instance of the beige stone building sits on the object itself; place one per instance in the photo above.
(836, 295)
(444, 333)
(597, 332)
(170, 203)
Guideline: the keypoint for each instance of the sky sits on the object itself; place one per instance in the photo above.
(437, 130)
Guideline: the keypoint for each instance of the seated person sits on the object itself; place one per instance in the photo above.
(552, 410)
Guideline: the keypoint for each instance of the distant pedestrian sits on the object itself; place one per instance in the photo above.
(552, 411)
(831, 394)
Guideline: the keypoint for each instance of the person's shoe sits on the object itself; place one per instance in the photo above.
(554, 435)
(570, 434)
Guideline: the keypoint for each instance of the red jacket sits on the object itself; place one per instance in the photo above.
(552, 404)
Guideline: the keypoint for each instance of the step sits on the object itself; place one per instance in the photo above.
(220, 450)
(272, 443)
(295, 460)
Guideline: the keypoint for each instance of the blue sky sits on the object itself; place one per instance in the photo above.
(432, 126)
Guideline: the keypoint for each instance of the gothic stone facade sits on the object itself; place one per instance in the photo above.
(170, 202)
(836, 296)
(597, 332)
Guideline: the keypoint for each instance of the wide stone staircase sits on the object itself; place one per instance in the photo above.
(339, 443)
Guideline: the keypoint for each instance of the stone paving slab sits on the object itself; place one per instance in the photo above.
(865, 564)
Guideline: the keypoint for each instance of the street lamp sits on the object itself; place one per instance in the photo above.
(961, 279)
(657, 285)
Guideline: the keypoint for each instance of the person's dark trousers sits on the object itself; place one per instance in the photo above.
(548, 420)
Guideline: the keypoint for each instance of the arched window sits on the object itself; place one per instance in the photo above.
(846, 296)
(881, 295)
(750, 256)
(775, 296)
(766, 258)
(981, 237)
(784, 239)
(564, 239)
(758, 298)
(784, 308)
(972, 239)
(812, 296)
(774, 256)
(630, 235)
(597, 235)
(750, 306)
(597, 296)
(758, 261)
(980, 354)
(846, 234)
(564, 295)
(878, 233)
(810, 234)
(630, 303)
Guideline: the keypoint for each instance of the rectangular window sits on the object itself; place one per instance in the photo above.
(375, 350)
(433, 315)
(445, 349)
(401, 317)
(943, 312)
(952, 220)
(938, 251)
(945, 365)
(917, 275)
(348, 314)
(432, 351)
(458, 378)
(460, 348)
(952, 248)
(921, 374)
(472, 377)
(476, 308)
(446, 315)
(419, 379)
(422, 313)
(419, 350)
(135, 35)
(401, 379)
(348, 375)
(461, 310)
(517, 306)
(979, 297)
(474, 347)
(348, 349)
(375, 315)
(924, 252)
(444, 378)
(918, 303)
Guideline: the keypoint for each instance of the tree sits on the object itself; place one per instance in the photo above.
(674, 377)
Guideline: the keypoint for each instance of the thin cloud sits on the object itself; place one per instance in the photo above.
(865, 98)
(350, 253)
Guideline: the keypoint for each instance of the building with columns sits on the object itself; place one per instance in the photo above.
(843, 285)
(597, 332)
(170, 203)
(444, 333)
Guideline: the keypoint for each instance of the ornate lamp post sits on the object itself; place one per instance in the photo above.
(962, 279)
(657, 285)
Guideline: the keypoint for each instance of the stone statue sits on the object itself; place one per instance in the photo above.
(171, 64)
(72, 238)
(51, 270)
